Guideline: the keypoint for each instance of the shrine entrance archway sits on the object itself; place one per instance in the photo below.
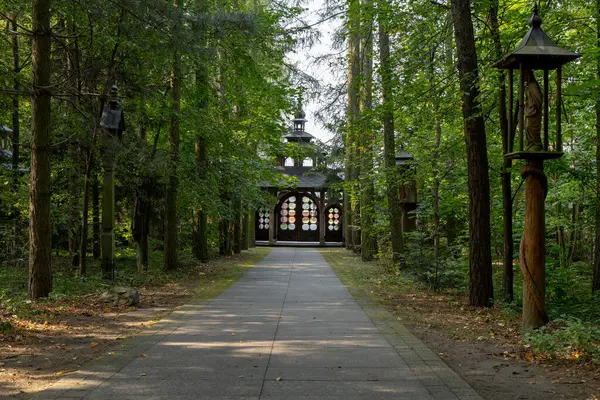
(297, 217)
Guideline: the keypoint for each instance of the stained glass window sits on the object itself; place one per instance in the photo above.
(263, 218)
(288, 214)
(309, 214)
(333, 222)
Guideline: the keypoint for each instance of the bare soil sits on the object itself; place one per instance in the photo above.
(35, 354)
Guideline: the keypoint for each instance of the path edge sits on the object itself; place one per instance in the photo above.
(437, 377)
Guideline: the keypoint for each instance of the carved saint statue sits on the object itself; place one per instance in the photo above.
(533, 112)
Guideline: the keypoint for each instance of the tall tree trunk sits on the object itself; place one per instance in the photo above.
(40, 234)
(170, 243)
(16, 132)
(75, 222)
(574, 242)
(84, 221)
(200, 246)
(351, 203)
(480, 281)
(95, 216)
(506, 131)
(596, 279)
(237, 226)
(389, 145)
(140, 223)
(436, 199)
(368, 247)
(200, 234)
(245, 220)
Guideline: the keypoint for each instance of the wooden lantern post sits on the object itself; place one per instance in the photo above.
(112, 123)
(535, 52)
(407, 190)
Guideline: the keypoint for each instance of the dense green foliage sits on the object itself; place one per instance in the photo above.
(235, 90)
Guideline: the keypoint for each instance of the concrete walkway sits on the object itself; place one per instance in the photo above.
(288, 330)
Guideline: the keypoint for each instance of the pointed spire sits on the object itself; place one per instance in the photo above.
(535, 20)
(300, 114)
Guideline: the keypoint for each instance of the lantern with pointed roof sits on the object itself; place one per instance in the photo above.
(407, 190)
(535, 52)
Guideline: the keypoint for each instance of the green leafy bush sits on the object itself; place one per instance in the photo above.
(568, 338)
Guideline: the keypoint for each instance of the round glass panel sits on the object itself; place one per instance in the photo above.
(336, 215)
(292, 199)
(292, 227)
(292, 220)
(292, 213)
(284, 212)
(313, 227)
(330, 227)
(266, 220)
(261, 226)
(284, 205)
(305, 199)
(305, 206)
(292, 206)
(305, 213)
(266, 226)
(330, 215)
(337, 228)
(305, 227)
(283, 227)
(284, 219)
(313, 220)
(305, 220)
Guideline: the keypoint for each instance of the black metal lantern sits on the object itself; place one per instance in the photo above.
(535, 52)
(404, 158)
(113, 116)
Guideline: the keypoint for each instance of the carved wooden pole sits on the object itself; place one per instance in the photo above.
(108, 211)
(532, 253)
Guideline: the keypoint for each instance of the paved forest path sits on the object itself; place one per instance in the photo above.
(287, 330)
